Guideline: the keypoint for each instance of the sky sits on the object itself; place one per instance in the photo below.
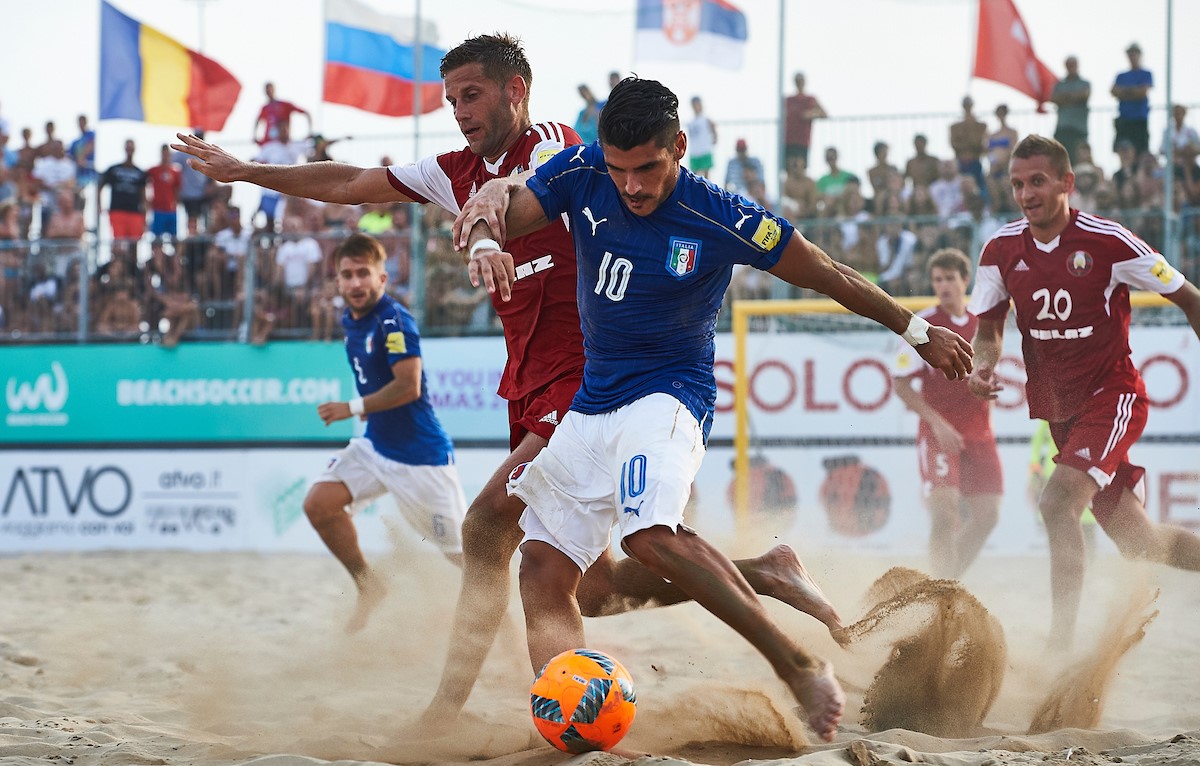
(861, 58)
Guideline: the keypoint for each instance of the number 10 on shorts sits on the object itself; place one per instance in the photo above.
(633, 478)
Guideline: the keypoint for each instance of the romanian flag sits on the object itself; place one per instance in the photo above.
(147, 76)
(710, 31)
(370, 60)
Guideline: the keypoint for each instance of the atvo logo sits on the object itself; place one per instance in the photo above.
(106, 490)
(40, 402)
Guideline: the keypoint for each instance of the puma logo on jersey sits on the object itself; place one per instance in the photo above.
(635, 511)
(1021, 266)
(579, 155)
(745, 217)
(587, 212)
(1084, 453)
(530, 268)
(550, 417)
(1073, 333)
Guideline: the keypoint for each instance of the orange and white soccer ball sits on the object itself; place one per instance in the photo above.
(583, 700)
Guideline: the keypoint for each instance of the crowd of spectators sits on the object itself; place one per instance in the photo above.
(158, 281)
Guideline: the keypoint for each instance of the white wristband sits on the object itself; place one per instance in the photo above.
(484, 244)
(356, 405)
(917, 332)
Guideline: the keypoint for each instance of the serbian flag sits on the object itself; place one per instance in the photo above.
(712, 31)
(1004, 52)
(370, 61)
(149, 77)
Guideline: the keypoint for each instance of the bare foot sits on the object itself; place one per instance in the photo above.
(821, 698)
(785, 578)
(371, 591)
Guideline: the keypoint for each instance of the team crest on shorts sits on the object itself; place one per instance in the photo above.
(684, 255)
(1079, 264)
(370, 344)
(516, 472)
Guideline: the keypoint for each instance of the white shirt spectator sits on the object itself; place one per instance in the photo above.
(296, 258)
(895, 254)
(235, 246)
(55, 172)
(947, 197)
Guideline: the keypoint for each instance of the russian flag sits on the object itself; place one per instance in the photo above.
(369, 61)
(712, 31)
(149, 77)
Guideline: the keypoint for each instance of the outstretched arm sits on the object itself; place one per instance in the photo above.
(989, 338)
(805, 265)
(503, 208)
(1187, 298)
(326, 181)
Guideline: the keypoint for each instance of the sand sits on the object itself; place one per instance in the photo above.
(224, 658)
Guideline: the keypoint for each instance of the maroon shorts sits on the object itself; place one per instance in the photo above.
(974, 471)
(1097, 442)
(540, 411)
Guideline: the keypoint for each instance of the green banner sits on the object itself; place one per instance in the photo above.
(193, 393)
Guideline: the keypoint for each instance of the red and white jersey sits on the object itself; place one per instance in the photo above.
(1072, 301)
(541, 322)
(967, 413)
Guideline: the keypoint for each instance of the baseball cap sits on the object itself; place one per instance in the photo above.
(1133, 48)
(741, 143)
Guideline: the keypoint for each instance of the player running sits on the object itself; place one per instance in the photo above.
(956, 448)
(1068, 274)
(487, 81)
(655, 246)
(404, 450)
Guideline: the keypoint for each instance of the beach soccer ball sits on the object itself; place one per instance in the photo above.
(583, 700)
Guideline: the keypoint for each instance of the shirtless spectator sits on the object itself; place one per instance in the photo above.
(800, 195)
(121, 316)
(881, 173)
(968, 140)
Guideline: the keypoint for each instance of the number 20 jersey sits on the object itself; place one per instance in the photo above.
(1072, 303)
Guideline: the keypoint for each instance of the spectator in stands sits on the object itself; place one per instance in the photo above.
(176, 308)
(121, 316)
(274, 115)
(166, 180)
(266, 316)
(588, 121)
(882, 172)
(280, 150)
(195, 188)
(1132, 92)
(1000, 143)
(224, 262)
(1128, 158)
(800, 195)
(83, 152)
(52, 146)
(1184, 136)
(1071, 95)
(896, 250)
(702, 140)
(320, 147)
(831, 185)
(12, 258)
(376, 219)
(1087, 185)
(53, 173)
(742, 169)
(799, 111)
(44, 290)
(923, 168)
(5, 126)
(946, 191)
(127, 196)
(66, 223)
(297, 258)
(968, 140)
(8, 170)
(325, 310)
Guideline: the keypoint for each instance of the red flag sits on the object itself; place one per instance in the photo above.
(1004, 52)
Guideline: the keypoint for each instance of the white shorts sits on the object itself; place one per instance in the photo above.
(429, 497)
(631, 467)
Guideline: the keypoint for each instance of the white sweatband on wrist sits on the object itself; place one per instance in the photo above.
(484, 244)
(917, 332)
(356, 405)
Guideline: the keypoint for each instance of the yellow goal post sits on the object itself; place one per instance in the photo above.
(743, 310)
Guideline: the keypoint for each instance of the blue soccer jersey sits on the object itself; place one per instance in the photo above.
(411, 433)
(649, 288)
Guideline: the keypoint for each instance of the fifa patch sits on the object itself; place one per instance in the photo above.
(682, 260)
(767, 234)
(546, 154)
(395, 343)
(903, 361)
(1163, 271)
(1079, 264)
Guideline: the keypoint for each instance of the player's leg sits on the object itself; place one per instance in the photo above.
(614, 587)
(326, 509)
(1066, 495)
(1121, 513)
(553, 623)
(982, 485)
(945, 518)
(430, 498)
(983, 511)
(490, 535)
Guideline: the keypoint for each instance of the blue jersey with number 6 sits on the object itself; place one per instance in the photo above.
(650, 287)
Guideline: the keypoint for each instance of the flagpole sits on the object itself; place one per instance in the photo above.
(416, 272)
(780, 139)
(974, 43)
(1169, 150)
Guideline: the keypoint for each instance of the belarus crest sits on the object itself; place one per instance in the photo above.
(682, 260)
(1079, 264)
